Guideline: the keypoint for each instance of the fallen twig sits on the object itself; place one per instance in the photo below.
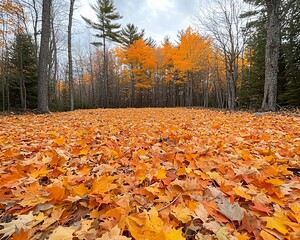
(170, 203)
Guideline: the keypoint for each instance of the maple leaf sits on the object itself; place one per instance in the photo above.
(86, 231)
(135, 223)
(103, 184)
(60, 141)
(114, 233)
(154, 224)
(62, 233)
(182, 214)
(242, 192)
(232, 211)
(267, 236)
(261, 207)
(16, 225)
(21, 235)
(222, 234)
(183, 162)
(57, 193)
(201, 212)
(174, 235)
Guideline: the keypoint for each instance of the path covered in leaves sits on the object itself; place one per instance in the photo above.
(150, 174)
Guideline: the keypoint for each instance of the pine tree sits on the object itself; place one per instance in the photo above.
(23, 80)
(107, 29)
(129, 34)
(291, 52)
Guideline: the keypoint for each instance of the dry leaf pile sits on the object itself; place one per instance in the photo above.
(150, 174)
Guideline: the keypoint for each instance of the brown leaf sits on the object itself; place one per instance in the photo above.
(232, 211)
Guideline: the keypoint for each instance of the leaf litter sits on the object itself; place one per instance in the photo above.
(150, 174)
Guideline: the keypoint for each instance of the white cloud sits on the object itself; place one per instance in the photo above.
(158, 17)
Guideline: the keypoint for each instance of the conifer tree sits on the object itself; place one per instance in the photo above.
(107, 29)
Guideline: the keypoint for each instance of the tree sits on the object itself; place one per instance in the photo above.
(108, 30)
(290, 32)
(71, 84)
(23, 80)
(272, 54)
(44, 59)
(129, 34)
(192, 55)
(221, 18)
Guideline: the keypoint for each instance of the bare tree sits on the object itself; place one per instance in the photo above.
(221, 19)
(44, 57)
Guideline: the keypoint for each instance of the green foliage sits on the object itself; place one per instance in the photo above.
(23, 67)
(130, 33)
(107, 15)
(291, 49)
(252, 87)
(288, 85)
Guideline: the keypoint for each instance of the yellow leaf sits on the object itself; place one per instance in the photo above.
(80, 190)
(39, 217)
(222, 234)
(276, 223)
(84, 151)
(62, 233)
(41, 172)
(182, 214)
(174, 235)
(153, 223)
(240, 191)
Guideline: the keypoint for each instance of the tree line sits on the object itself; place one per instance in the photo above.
(237, 54)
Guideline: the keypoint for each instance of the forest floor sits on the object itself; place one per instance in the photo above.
(150, 174)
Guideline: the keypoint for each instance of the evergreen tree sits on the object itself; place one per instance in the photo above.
(291, 53)
(107, 29)
(288, 82)
(23, 80)
(252, 87)
(129, 34)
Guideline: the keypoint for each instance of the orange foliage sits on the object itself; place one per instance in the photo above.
(193, 52)
(140, 62)
(150, 174)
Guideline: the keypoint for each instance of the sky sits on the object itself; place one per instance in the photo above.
(159, 18)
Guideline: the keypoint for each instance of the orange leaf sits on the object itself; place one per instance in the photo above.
(21, 235)
(103, 185)
(267, 236)
(60, 141)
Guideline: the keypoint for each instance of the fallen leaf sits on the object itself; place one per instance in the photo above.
(201, 212)
(113, 234)
(232, 211)
(21, 222)
(103, 185)
(62, 233)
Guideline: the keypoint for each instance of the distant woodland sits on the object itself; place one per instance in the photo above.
(235, 55)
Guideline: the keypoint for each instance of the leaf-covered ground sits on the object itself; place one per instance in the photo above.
(150, 174)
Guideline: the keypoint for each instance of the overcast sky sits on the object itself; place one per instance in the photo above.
(158, 17)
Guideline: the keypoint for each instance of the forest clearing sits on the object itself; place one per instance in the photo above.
(152, 173)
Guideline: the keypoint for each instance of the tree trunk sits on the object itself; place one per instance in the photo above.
(71, 84)
(44, 59)
(272, 54)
